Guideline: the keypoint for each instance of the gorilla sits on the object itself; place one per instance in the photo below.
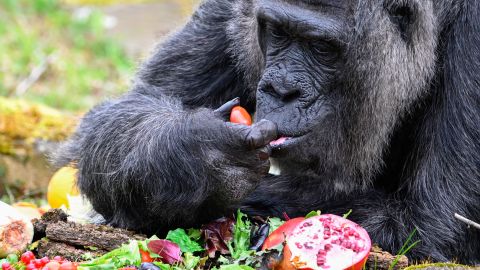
(372, 106)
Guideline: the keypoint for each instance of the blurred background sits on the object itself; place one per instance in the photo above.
(58, 58)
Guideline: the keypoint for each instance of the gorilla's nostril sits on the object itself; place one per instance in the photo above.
(283, 92)
(291, 96)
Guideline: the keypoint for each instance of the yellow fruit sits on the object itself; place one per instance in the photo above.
(61, 185)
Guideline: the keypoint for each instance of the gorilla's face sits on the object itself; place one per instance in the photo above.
(337, 77)
(302, 48)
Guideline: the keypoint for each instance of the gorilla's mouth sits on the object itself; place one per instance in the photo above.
(279, 141)
(285, 141)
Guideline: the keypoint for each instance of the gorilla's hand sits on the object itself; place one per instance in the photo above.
(237, 156)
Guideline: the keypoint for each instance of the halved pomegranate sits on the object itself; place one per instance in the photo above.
(326, 242)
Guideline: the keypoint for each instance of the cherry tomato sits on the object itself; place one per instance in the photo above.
(240, 116)
(38, 263)
(27, 257)
(278, 236)
(145, 256)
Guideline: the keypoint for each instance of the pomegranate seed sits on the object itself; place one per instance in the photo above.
(298, 245)
(347, 245)
(328, 247)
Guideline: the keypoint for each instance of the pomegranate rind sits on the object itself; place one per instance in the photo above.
(278, 236)
(344, 245)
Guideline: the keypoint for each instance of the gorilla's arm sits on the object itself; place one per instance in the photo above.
(159, 156)
(195, 64)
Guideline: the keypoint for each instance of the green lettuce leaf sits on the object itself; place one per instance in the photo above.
(181, 238)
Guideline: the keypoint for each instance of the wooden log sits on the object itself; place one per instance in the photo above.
(99, 236)
(52, 248)
(382, 260)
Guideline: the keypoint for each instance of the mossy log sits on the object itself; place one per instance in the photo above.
(76, 241)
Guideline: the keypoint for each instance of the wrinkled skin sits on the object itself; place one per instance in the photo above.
(380, 100)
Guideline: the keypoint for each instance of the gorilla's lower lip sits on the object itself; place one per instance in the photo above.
(279, 141)
(284, 142)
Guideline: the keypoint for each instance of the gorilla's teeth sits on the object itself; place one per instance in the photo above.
(278, 141)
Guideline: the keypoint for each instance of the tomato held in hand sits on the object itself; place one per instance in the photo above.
(240, 116)
(145, 256)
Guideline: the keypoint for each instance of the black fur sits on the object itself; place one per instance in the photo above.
(383, 98)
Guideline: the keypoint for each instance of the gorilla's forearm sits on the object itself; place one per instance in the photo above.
(137, 155)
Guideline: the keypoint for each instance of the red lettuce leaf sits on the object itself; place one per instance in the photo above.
(217, 234)
(168, 251)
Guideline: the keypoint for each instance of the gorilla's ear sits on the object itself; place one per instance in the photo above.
(195, 63)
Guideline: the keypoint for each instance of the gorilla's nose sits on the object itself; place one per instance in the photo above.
(285, 91)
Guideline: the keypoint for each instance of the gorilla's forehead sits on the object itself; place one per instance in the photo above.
(324, 18)
(340, 4)
(306, 8)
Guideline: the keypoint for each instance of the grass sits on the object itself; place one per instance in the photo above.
(407, 246)
(78, 64)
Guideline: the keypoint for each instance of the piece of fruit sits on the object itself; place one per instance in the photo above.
(326, 242)
(145, 256)
(61, 185)
(240, 116)
(278, 236)
(16, 230)
(53, 265)
(27, 257)
(66, 265)
(6, 265)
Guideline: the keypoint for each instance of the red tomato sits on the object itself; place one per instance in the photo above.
(68, 266)
(53, 265)
(240, 116)
(278, 236)
(27, 257)
(145, 256)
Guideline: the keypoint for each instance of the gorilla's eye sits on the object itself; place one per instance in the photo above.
(278, 33)
(402, 17)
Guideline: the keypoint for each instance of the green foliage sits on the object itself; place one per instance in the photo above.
(181, 238)
(274, 223)
(407, 246)
(128, 254)
(313, 214)
(241, 237)
(82, 64)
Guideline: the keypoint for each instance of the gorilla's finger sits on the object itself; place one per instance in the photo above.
(261, 133)
(224, 110)
(264, 153)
